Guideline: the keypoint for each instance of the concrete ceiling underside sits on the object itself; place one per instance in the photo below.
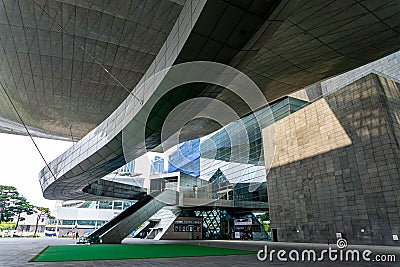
(322, 39)
(54, 58)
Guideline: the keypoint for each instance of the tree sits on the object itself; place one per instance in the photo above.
(41, 212)
(264, 220)
(22, 206)
(7, 194)
(12, 204)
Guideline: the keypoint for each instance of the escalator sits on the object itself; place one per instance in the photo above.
(124, 223)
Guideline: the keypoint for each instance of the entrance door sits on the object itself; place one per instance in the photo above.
(275, 235)
(224, 230)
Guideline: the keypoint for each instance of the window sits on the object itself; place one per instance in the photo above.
(126, 205)
(87, 222)
(117, 205)
(105, 205)
(100, 223)
(67, 222)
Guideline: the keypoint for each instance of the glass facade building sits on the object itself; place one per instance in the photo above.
(235, 153)
(186, 158)
(157, 165)
(232, 163)
(231, 160)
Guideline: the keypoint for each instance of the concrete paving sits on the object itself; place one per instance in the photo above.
(18, 252)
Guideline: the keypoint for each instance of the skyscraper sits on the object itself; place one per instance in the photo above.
(157, 165)
(129, 167)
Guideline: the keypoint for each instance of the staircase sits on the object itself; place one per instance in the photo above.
(127, 221)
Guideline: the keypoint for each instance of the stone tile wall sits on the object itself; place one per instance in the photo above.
(337, 167)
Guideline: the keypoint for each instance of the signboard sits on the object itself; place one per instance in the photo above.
(188, 222)
(243, 229)
(246, 221)
(188, 225)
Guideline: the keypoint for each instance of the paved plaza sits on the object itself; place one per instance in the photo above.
(18, 252)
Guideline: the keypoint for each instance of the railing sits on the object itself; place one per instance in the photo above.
(94, 237)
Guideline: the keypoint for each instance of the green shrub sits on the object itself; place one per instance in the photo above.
(266, 226)
(7, 226)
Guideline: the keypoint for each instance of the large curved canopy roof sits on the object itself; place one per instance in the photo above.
(54, 55)
(66, 66)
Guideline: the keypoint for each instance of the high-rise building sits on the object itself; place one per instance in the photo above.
(157, 165)
(129, 167)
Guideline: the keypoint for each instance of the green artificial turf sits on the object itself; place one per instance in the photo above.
(116, 252)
